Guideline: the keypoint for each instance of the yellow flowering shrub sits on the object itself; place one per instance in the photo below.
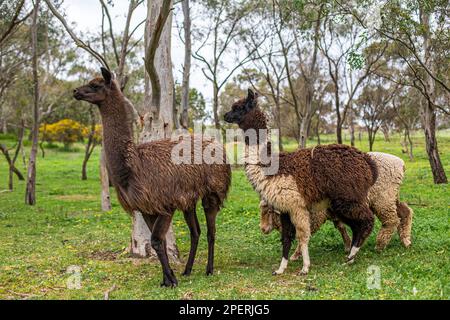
(66, 131)
(97, 133)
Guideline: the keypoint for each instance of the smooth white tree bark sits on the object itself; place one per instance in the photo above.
(156, 125)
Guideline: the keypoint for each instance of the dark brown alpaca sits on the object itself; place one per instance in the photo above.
(147, 180)
(309, 180)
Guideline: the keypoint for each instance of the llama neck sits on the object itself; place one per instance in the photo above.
(118, 144)
(255, 153)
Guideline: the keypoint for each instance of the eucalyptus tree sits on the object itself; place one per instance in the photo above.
(218, 50)
(376, 107)
(419, 30)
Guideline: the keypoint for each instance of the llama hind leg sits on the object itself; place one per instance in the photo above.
(405, 214)
(211, 205)
(160, 228)
(192, 221)
(301, 221)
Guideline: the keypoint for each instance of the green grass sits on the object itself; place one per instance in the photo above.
(67, 228)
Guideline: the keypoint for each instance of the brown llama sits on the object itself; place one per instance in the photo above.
(147, 180)
(308, 180)
(384, 200)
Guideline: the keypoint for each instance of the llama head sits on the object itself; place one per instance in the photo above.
(269, 221)
(98, 89)
(246, 113)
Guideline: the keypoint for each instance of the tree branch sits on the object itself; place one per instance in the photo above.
(74, 37)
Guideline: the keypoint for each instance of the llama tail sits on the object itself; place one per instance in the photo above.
(373, 167)
(405, 214)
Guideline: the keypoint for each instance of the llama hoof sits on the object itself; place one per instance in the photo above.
(406, 243)
(169, 284)
(209, 273)
(277, 273)
(352, 256)
(347, 250)
(169, 281)
(187, 273)
(303, 272)
(350, 261)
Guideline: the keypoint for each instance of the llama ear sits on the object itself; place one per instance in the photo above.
(107, 75)
(251, 95)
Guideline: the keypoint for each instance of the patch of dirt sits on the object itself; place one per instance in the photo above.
(105, 255)
(77, 197)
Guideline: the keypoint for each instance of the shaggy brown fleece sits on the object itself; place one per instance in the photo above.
(145, 176)
(148, 180)
(336, 177)
(156, 185)
(332, 171)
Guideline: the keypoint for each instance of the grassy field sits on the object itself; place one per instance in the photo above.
(40, 245)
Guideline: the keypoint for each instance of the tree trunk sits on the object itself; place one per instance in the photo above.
(156, 126)
(278, 122)
(434, 158)
(187, 65)
(385, 130)
(338, 119)
(30, 194)
(216, 106)
(84, 176)
(371, 135)
(429, 113)
(352, 127)
(4, 124)
(339, 132)
(84, 169)
(319, 142)
(104, 178)
(352, 134)
(89, 147)
(12, 168)
(411, 153)
(303, 137)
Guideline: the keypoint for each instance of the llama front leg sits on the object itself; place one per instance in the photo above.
(192, 221)
(297, 254)
(287, 236)
(340, 226)
(301, 221)
(361, 225)
(158, 240)
(211, 206)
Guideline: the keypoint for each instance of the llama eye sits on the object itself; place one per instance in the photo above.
(94, 86)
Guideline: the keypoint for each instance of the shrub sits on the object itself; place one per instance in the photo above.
(66, 131)
(97, 137)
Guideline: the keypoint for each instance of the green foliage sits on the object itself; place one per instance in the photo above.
(67, 228)
(197, 105)
(355, 60)
(66, 131)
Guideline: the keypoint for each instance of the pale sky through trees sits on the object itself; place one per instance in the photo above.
(87, 15)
